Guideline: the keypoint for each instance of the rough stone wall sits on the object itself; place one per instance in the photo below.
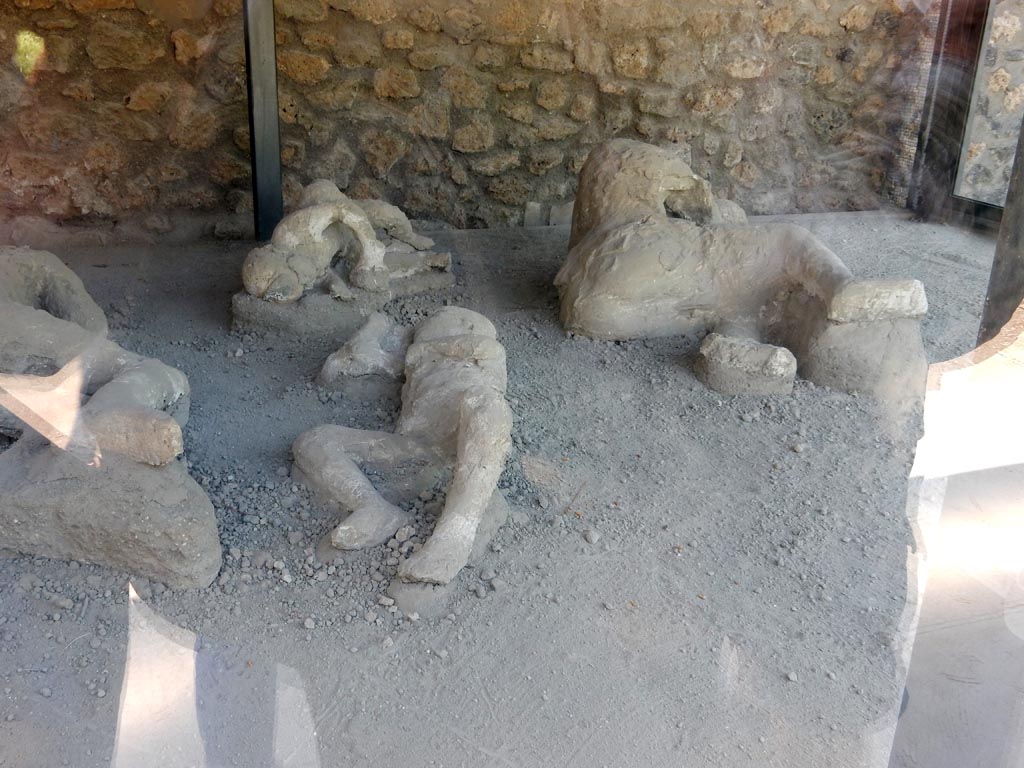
(467, 111)
(997, 107)
(108, 110)
(459, 110)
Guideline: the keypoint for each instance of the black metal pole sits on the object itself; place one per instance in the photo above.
(1006, 282)
(264, 129)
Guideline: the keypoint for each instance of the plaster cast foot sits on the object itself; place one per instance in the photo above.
(743, 366)
(438, 561)
(870, 300)
(144, 435)
(338, 288)
(372, 524)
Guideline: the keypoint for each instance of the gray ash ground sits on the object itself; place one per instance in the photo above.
(685, 579)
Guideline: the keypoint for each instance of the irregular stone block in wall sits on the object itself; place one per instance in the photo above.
(477, 136)
(335, 97)
(431, 58)
(490, 57)
(373, 11)
(425, 18)
(661, 102)
(302, 10)
(396, 83)
(554, 127)
(382, 149)
(632, 60)
(547, 57)
(189, 48)
(857, 19)
(302, 67)
(462, 24)
(90, 6)
(397, 39)
(552, 94)
(193, 126)
(495, 164)
(430, 120)
(466, 91)
(149, 96)
(113, 46)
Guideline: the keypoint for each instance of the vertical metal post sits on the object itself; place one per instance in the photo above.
(1006, 283)
(264, 129)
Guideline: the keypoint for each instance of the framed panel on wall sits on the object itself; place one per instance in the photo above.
(968, 132)
(996, 108)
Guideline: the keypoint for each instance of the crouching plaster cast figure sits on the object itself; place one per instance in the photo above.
(92, 473)
(454, 415)
(329, 232)
(653, 253)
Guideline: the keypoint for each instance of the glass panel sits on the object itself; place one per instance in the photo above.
(997, 106)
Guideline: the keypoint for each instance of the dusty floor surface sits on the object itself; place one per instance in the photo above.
(737, 600)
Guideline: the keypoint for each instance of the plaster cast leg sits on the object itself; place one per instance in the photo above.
(79, 488)
(485, 425)
(329, 457)
(391, 219)
(126, 421)
(127, 414)
(871, 341)
(807, 262)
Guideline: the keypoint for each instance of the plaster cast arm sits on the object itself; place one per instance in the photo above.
(327, 456)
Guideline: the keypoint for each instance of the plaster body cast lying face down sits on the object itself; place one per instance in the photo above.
(453, 413)
(300, 254)
(633, 271)
(93, 472)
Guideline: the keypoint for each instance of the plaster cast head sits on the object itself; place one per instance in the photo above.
(455, 321)
(624, 180)
(266, 274)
